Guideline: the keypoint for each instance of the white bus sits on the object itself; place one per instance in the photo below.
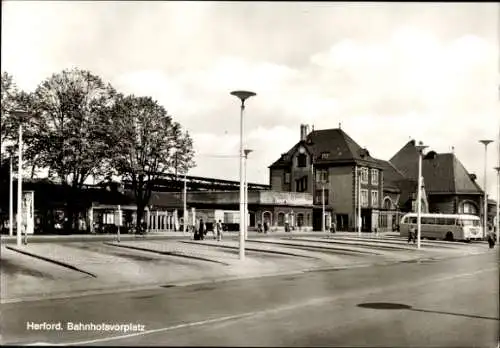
(443, 226)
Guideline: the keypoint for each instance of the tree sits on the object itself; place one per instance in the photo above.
(9, 95)
(147, 144)
(67, 129)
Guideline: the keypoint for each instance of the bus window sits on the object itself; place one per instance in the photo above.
(449, 221)
(440, 221)
(470, 222)
(413, 220)
(428, 221)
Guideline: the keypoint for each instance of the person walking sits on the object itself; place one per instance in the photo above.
(491, 240)
(218, 228)
(202, 229)
(412, 234)
(333, 227)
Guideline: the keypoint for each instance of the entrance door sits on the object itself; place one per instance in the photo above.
(252, 219)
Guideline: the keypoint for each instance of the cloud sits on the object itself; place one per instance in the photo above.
(387, 72)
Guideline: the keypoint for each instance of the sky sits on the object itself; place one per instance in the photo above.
(385, 72)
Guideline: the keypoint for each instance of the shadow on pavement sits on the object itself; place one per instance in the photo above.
(401, 306)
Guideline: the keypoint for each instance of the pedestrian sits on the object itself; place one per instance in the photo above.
(491, 240)
(266, 227)
(218, 228)
(333, 227)
(202, 230)
(412, 234)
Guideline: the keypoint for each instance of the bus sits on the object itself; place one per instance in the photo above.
(450, 227)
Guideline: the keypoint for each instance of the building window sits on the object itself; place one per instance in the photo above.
(300, 219)
(374, 198)
(318, 197)
(364, 175)
(468, 208)
(287, 178)
(325, 155)
(374, 176)
(301, 184)
(387, 203)
(322, 175)
(364, 197)
(302, 160)
(281, 219)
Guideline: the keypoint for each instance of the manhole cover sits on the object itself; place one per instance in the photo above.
(384, 305)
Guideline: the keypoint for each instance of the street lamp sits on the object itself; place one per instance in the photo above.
(485, 216)
(420, 148)
(359, 202)
(184, 225)
(242, 95)
(245, 213)
(19, 218)
(498, 203)
(323, 206)
(11, 195)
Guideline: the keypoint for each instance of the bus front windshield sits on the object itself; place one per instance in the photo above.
(470, 222)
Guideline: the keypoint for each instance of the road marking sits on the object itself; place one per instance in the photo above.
(274, 310)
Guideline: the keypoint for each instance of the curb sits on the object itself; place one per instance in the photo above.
(92, 238)
(349, 251)
(361, 244)
(60, 263)
(168, 253)
(252, 249)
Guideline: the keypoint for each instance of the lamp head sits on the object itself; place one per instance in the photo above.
(420, 147)
(497, 169)
(247, 151)
(243, 95)
(485, 142)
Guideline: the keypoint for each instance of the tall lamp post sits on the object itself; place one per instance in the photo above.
(245, 213)
(322, 182)
(19, 218)
(11, 196)
(359, 203)
(242, 95)
(485, 211)
(420, 148)
(185, 217)
(498, 203)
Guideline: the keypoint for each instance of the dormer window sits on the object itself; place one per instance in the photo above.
(302, 160)
(325, 155)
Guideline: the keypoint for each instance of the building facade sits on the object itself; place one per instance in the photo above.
(332, 167)
(450, 188)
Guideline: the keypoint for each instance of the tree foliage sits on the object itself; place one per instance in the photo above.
(147, 143)
(9, 95)
(68, 128)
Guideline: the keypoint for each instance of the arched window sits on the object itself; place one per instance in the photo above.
(387, 203)
(281, 219)
(267, 217)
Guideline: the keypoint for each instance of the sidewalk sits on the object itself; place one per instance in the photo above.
(111, 268)
(161, 235)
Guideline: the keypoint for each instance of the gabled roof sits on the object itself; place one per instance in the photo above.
(339, 147)
(443, 173)
(406, 160)
(392, 176)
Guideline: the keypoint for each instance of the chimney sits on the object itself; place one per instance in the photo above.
(303, 132)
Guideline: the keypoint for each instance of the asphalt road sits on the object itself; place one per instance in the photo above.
(450, 303)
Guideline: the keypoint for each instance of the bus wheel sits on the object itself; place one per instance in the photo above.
(449, 236)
